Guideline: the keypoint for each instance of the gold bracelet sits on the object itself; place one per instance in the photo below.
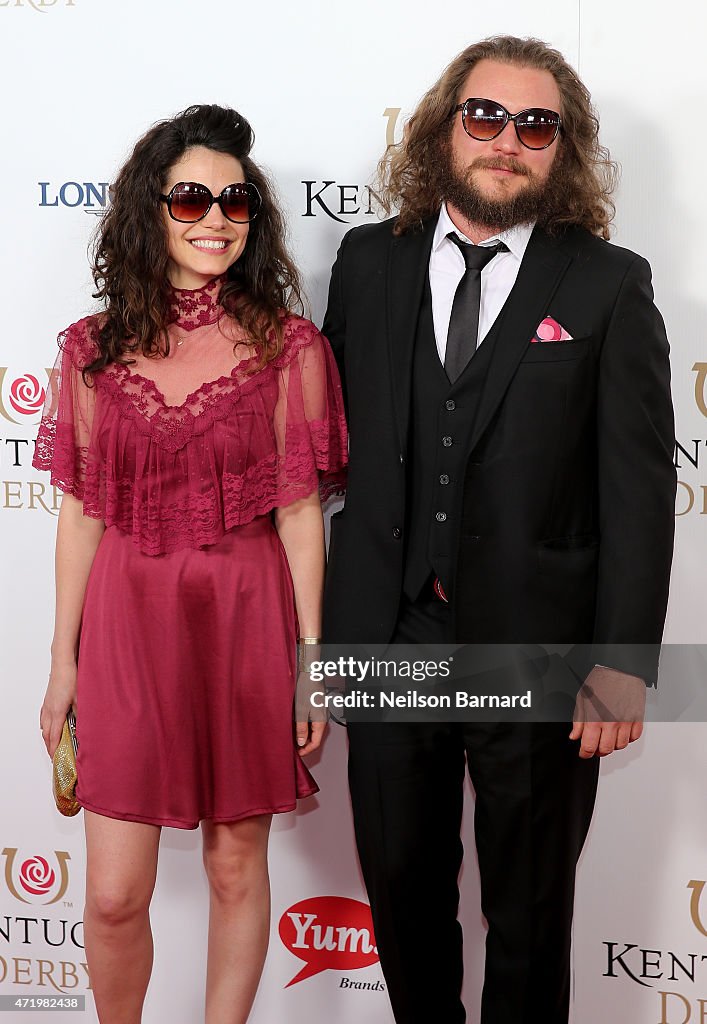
(309, 640)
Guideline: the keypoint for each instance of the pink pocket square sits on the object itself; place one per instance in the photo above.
(549, 330)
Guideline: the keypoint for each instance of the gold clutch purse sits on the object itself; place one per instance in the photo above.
(64, 771)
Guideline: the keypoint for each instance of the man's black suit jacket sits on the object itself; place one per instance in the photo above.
(565, 533)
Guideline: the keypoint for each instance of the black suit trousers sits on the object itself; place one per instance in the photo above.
(534, 802)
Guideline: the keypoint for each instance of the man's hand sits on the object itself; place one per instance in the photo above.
(608, 712)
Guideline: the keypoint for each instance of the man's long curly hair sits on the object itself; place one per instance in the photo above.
(130, 258)
(407, 179)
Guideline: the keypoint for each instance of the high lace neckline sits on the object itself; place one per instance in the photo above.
(196, 307)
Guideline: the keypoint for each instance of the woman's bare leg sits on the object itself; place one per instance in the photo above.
(121, 867)
(235, 858)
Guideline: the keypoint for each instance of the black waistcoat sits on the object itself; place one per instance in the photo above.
(441, 421)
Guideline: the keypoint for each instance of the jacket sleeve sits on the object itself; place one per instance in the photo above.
(636, 481)
(334, 326)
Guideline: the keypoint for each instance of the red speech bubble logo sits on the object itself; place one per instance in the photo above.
(330, 933)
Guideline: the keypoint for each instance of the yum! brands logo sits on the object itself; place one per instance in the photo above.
(36, 879)
(330, 933)
(21, 396)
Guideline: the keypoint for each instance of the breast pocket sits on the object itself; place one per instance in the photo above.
(556, 351)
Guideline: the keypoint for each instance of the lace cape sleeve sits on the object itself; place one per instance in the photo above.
(309, 421)
(63, 440)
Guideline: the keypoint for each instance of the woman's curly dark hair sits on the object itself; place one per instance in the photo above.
(130, 255)
(407, 178)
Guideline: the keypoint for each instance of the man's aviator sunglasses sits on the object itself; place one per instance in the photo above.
(190, 201)
(484, 120)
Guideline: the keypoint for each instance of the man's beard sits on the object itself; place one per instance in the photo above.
(536, 200)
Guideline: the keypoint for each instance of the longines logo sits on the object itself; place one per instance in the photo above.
(93, 196)
(330, 933)
(647, 966)
(692, 495)
(35, 877)
(340, 202)
(42, 6)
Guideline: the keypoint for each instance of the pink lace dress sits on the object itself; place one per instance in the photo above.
(187, 652)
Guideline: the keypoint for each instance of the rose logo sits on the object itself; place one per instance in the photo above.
(36, 877)
(26, 395)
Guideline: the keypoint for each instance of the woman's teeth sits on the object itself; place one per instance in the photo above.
(202, 243)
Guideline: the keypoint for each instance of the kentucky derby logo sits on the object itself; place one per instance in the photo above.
(38, 5)
(701, 388)
(697, 887)
(342, 201)
(24, 396)
(35, 877)
(330, 933)
(392, 114)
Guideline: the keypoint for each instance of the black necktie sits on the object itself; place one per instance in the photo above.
(464, 321)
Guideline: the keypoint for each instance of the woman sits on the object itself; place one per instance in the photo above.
(191, 425)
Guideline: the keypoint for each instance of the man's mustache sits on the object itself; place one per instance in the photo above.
(495, 164)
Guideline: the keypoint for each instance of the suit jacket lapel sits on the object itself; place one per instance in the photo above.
(544, 263)
(408, 265)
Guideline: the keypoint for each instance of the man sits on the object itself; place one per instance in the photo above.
(511, 481)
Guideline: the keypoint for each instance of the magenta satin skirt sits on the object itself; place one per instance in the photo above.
(186, 682)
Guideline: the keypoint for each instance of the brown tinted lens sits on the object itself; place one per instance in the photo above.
(482, 119)
(537, 127)
(235, 203)
(190, 202)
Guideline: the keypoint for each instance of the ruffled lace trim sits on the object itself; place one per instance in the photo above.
(201, 518)
(174, 426)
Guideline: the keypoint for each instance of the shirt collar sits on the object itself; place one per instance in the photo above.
(516, 238)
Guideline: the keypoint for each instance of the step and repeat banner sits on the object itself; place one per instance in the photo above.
(325, 87)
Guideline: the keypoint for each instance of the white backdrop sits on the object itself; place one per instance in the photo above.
(81, 79)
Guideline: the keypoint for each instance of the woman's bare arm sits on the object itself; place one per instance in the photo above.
(77, 539)
(301, 529)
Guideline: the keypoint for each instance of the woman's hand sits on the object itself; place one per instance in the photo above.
(60, 696)
(310, 708)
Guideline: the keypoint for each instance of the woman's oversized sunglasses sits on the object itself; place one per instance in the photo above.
(483, 120)
(189, 201)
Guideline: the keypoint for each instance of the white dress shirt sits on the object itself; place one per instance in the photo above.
(497, 278)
